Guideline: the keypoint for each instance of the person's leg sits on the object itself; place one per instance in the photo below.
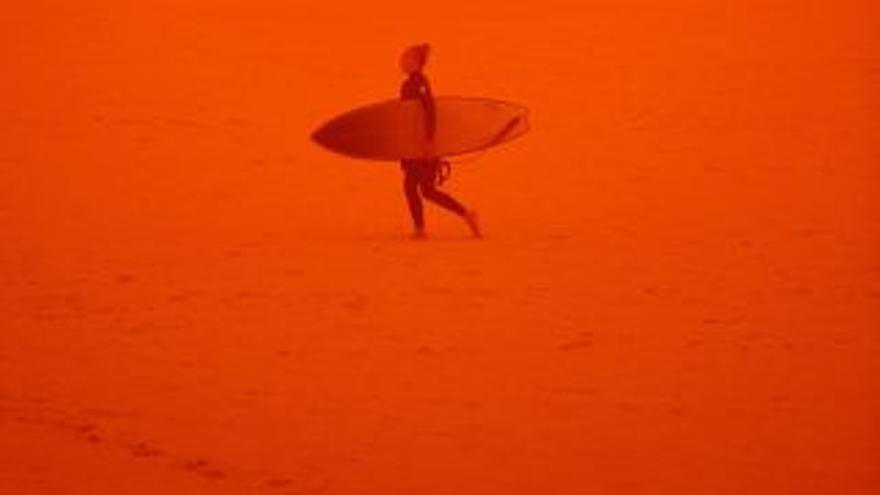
(430, 192)
(411, 190)
(441, 198)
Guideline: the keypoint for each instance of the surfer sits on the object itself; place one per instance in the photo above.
(423, 175)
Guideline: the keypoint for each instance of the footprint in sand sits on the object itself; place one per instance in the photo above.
(88, 432)
(141, 449)
(278, 483)
(204, 468)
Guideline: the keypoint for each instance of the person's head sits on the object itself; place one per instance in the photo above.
(414, 58)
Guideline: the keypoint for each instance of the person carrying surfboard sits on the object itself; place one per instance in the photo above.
(423, 175)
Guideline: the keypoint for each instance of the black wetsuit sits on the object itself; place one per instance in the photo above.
(422, 174)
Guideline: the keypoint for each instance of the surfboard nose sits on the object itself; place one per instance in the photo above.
(517, 126)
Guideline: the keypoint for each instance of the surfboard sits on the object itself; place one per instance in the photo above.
(395, 129)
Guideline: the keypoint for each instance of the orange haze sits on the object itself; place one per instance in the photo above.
(678, 292)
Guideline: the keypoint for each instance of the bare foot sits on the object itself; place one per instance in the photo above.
(418, 234)
(473, 221)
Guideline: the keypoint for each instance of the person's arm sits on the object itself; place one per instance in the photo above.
(427, 98)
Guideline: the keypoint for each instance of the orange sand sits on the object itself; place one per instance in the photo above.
(679, 291)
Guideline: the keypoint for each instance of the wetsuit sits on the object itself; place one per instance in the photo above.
(422, 174)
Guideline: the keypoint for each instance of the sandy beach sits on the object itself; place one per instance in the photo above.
(678, 291)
